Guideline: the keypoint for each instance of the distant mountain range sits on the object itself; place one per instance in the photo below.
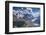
(32, 14)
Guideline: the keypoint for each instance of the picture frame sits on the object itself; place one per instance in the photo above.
(29, 15)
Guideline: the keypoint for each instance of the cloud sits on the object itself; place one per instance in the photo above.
(35, 24)
(34, 19)
(37, 14)
(26, 11)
